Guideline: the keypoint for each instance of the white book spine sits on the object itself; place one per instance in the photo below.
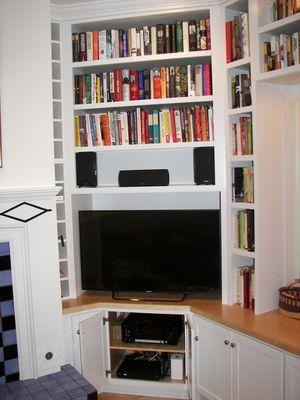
(189, 80)
(98, 129)
(102, 45)
(138, 43)
(147, 39)
(89, 46)
(125, 85)
(178, 129)
(185, 32)
(105, 87)
(153, 40)
(296, 47)
(142, 42)
(88, 130)
(125, 126)
(133, 42)
(151, 84)
(117, 44)
(211, 124)
(198, 80)
(245, 35)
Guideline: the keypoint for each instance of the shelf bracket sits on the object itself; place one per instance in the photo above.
(107, 372)
(104, 320)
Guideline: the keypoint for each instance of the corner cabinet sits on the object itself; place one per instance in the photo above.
(95, 347)
(231, 366)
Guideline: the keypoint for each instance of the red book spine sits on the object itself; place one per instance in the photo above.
(207, 82)
(208, 35)
(198, 136)
(95, 45)
(246, 283)
(146, 128)
(119, 129)
(173, 128)
(134, 86)
(143, 127)
(157, 92)
(118, 85)
(228, 42)
(105, 129)
(203, 123)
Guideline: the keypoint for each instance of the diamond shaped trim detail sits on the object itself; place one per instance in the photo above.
(38, 211)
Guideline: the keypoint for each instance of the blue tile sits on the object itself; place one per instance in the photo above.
(4, 249)
(77, 392)
(5, 278)
(70, 385)
(11, 366)
(1, 354)
(88, 389)
(7, 308)
(61, 396)
(42, 395)
(9, 337)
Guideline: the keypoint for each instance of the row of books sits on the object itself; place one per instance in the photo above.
(156, 83)
(241, 90)
(243, 184)
(245, 283)
(242, 137)
(237, 38)
(244, 229)
(139, 126)
(139, 41)
(284, 8)
(281, 51)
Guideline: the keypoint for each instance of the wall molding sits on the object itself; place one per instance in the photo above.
(12, 194)
(107, 9)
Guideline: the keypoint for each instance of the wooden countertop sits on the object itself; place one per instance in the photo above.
(271, 327)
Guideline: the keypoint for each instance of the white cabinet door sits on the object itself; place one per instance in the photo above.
(189, 356)
(258, 370)
(212, 360)
(93, 350)
(292, 378)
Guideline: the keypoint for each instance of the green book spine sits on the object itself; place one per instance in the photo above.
(179, 37)
(88, 89)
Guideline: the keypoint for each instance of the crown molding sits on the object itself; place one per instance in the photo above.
(108, 9)
(27, 193)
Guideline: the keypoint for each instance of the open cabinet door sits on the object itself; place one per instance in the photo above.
(93, 351)
(189, 365)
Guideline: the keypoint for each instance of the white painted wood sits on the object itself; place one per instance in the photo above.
(92, 350)
(258, 370)
(285, 76)
(27, 146)
(287, 25)
(189, 356)
(147, 189)
(292, 377)
(143, 103)
(212, 360)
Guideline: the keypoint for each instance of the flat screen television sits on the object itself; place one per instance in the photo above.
(157, 251)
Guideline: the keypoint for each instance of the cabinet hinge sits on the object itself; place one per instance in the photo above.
(107, 372)
(104, 320)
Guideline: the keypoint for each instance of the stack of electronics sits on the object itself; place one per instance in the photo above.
(149, 328)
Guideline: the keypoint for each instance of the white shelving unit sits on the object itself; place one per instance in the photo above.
(59, 158)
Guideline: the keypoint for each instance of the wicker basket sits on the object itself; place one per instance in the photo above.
(289, 299)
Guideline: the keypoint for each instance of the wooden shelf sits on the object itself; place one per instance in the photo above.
(143, 103)
(146, 189)
(155, 146)
(285, 76)
(203, 55)
(244, 62)
(164, 348)
(286, 25)
(240, 110)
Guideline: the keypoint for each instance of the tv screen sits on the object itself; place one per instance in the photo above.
(150, 251)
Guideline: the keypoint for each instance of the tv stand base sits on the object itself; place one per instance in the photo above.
(148, 296)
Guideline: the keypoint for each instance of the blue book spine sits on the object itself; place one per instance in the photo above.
(124, 40)
(141, 85)
(155, 127)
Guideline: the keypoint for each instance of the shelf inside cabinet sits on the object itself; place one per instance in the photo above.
(242, 63)
(240, 110)
(164, 348)
(240, 205)
(237, 5)
(143, 103)
(187, 57)
(286, 25)
(242, 158)
(245, 253)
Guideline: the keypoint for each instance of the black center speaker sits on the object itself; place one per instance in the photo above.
(86, 169)
(204, 166)
(144, 177)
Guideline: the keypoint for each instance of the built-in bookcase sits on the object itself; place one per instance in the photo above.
(59, 160)
(240, 152)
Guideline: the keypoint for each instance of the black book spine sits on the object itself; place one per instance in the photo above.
(160, 33)
(147, 88)
(250, 230)
(75, 46)
(192, 36)
(172, 82)
(131, 127)
(82, 46)
(173, 38)
(77, 89)
(168, 47)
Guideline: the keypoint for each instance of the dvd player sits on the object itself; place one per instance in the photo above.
(152, 328)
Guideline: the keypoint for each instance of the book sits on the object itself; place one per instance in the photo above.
(134, 89)
(160, 32)
(192, 35)
(102, 42)
(179, 37)
(89, 46)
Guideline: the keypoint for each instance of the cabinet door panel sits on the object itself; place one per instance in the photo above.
(258, 370)
(212, 360)
(189, 357)
(92, 348)
(292, 378)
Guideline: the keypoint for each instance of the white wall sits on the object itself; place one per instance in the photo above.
(25, 86)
